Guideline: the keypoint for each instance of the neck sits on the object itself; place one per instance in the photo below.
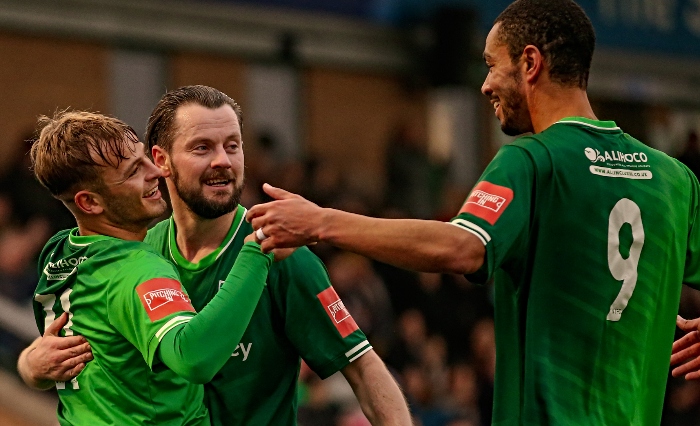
(549, 106)
(135, 233)
(196, 236)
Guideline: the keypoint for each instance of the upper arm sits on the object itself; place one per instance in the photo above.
(146, 301)
(497, 212)
(317, 322)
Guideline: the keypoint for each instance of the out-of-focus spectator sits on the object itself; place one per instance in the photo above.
(409, 173)
(413, 334)
(483, 340)
(365, 297)
(29, 199)
(463, 401)
(691, 153)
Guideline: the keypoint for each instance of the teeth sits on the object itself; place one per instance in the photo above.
(151, 192)
(217, 182)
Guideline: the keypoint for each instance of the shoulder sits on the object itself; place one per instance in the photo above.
(302, 261)
(157, 236)
(137, 261)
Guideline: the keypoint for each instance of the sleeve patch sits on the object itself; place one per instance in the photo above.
(337, 312)
(488, 201)
(162, 297)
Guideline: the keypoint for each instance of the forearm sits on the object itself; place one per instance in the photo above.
(199, 348)
(25, 372)
(420, 245)
(377, 392)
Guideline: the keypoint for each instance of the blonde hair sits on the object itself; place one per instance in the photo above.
(71, 147)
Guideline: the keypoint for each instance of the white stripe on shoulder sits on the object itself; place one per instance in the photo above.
(469, 226)
(233, 237)
(588, 125)
(175, 321)
(364, 351)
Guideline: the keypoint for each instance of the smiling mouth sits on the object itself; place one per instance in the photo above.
(151, 193)
(218, 183)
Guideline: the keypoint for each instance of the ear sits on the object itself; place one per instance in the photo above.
(532, 63)
(161, 160)
(89, 202)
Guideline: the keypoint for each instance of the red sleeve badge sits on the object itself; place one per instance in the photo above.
(162, 297)
(337, 312)
(488, 201)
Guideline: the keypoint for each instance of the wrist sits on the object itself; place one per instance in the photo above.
(324, 228)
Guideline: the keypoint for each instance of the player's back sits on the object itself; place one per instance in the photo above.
(593, 296)
(96, 280)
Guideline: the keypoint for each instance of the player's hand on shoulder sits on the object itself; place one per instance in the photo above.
(686, 350)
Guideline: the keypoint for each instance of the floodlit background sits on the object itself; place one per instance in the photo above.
(371, 106)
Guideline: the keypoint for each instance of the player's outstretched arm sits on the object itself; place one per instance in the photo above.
(196, 350)
(379, 395)
(421, 245)
(686, 350)
(51, 359)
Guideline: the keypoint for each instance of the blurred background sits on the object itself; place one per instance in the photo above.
(371, 106)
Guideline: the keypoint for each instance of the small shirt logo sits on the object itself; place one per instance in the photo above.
(337, 312)
(162, 297)
(62, 268)
(488, 201)
(596, 156)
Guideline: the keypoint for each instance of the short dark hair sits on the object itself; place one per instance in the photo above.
(73, 144)
(161, 122)
(560, 29)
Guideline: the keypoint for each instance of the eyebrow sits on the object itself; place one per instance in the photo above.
(131, 168)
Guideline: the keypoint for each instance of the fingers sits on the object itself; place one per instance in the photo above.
(55, 327)
(688, 367)
(686, 353)
(68, 342)
(685, 341)
(277, 193)
(687, 325)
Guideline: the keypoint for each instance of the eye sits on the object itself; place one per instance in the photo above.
(200, 148)
(136, 170)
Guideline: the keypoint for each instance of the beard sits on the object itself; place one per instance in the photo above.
(516, 119)
(202, 206)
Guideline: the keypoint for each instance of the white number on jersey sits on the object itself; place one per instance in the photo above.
(625, 270)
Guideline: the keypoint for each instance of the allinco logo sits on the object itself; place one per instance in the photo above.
(595, 156)
(63, 268)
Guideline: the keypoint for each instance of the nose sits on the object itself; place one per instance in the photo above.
(486, 87)
(152, 171)
(221, 158)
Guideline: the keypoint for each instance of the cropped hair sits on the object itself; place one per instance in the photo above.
(73, 145)
(561, 31)
(161, 127)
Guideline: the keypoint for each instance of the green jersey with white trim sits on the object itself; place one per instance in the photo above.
(122, 297)
(299, 316)
(589, 235)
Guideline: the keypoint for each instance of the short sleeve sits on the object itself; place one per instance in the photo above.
(146, 300)
(498, 209)
(691, 275)
(316, 321)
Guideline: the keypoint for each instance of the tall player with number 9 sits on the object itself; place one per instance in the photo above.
(588, 233)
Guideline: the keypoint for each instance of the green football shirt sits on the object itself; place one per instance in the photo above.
(299, 316)
(123, 297)
(587, 232)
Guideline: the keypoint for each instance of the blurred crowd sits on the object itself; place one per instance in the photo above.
(434, 331)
